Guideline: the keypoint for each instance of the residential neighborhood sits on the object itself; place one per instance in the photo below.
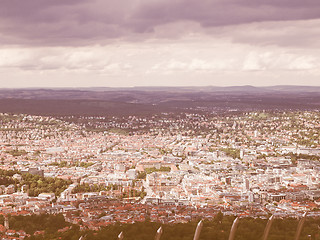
(171, 169)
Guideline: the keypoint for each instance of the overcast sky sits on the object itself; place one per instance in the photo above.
(117, 43)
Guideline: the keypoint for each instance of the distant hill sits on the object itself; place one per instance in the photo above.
(151, 100)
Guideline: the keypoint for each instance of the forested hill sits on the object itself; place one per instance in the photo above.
(151, 100)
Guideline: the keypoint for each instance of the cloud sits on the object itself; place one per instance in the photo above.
(70, 22)
(92, 59)
(298, 34)
(154, 57)
(279, 61)
(159, 42)
(226, 12)
(86, 22)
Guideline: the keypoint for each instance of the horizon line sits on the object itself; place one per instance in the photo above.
(164, 86)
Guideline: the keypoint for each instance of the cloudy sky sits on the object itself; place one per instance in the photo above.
(84, 43)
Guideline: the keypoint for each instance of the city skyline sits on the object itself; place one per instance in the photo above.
(159, 43)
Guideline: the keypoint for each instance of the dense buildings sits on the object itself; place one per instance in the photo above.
(165, 168)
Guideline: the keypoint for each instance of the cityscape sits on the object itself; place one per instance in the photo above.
(164, 168)
(160, 119)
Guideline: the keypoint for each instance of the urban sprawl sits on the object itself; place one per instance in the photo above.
(168, 168)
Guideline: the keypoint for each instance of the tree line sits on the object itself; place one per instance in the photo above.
(216, 229)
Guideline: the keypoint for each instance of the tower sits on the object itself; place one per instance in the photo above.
(246, 184)
(241, 154)
(6, 222)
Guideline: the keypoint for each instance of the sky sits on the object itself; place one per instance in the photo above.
(125, 43)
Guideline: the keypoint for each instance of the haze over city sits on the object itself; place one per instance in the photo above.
(121, 43)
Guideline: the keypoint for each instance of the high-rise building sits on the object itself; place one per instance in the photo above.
(246, 185)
